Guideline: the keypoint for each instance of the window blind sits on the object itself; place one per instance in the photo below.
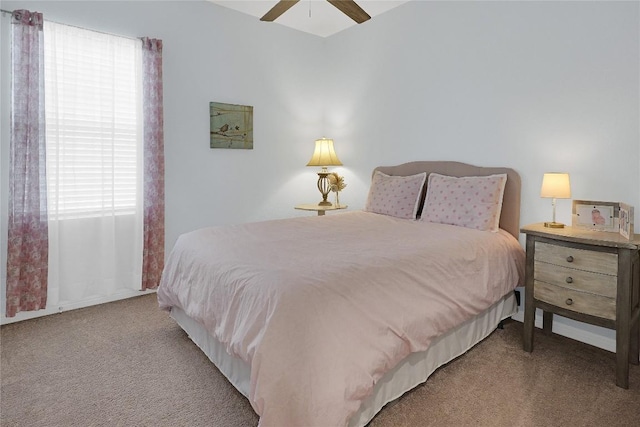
(93, 122)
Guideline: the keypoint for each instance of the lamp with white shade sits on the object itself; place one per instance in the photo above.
(324, 155)
(555, 185)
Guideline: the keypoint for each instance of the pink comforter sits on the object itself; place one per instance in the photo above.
(322, 307)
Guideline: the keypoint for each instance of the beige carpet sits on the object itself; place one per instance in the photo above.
(128, 364)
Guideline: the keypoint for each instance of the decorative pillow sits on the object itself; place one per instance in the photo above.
(397, 196)
(470, 201)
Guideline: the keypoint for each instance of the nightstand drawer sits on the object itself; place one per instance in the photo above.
(598, 262)
(580, 302)
(595, 283)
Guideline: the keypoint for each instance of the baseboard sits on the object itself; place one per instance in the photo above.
(594, 335)
(62, 307)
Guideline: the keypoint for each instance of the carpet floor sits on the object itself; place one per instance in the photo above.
(127, 363)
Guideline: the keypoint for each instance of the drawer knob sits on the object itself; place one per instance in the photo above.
(569, 258)
(569, 279)
(569, 301)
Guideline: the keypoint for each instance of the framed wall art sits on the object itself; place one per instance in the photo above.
(593, 215)
(626, 220)
(231, 126)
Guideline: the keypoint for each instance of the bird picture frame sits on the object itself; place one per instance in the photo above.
(231, 126)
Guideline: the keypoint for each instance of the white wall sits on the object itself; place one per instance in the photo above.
(537, 86)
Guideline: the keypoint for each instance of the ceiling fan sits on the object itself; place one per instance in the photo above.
(348, 7)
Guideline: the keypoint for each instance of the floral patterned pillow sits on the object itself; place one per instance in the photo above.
(471, 201)
(397, 196)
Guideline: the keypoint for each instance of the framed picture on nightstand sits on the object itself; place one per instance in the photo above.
(626, 220)
(592, 215)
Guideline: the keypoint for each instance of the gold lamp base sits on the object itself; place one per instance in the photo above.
(554, 224)
(324, 187)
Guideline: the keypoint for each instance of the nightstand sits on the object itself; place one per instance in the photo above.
(320, 209)
(588, 276)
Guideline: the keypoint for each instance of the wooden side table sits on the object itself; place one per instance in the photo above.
(320, 209)
(588, 276)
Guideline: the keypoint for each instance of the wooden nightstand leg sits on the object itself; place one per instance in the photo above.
(529, 317)
(634, 346)
(623, 319)
(547, 322)
(529, 304)
(622, 359)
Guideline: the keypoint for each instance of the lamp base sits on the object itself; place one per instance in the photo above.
(554, 224)
(324, 186)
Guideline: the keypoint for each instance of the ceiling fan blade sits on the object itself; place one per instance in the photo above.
(351, 9)
(281, 7)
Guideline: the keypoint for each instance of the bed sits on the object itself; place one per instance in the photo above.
(324, 320)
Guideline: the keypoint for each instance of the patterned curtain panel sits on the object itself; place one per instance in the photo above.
(27, 251)
(153, 252)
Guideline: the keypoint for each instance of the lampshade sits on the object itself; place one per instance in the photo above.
(324, 154)
(556, 185)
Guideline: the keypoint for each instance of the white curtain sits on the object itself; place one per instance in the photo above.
(94, 164)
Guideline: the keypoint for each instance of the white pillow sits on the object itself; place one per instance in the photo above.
(397, 196)
(469, 201)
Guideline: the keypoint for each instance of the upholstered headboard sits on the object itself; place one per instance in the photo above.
(510, 215)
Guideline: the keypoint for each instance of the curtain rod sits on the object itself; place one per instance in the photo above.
(82, 28)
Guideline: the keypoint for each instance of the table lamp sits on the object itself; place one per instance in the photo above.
(555, 186)
(324, 155)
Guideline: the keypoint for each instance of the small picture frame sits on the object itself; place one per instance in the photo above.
(595, 215)
(231, 126)
(626, 220)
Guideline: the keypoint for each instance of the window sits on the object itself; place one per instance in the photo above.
(93, 114)
(93, 122)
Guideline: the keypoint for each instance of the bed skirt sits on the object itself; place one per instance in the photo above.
(412, 371)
